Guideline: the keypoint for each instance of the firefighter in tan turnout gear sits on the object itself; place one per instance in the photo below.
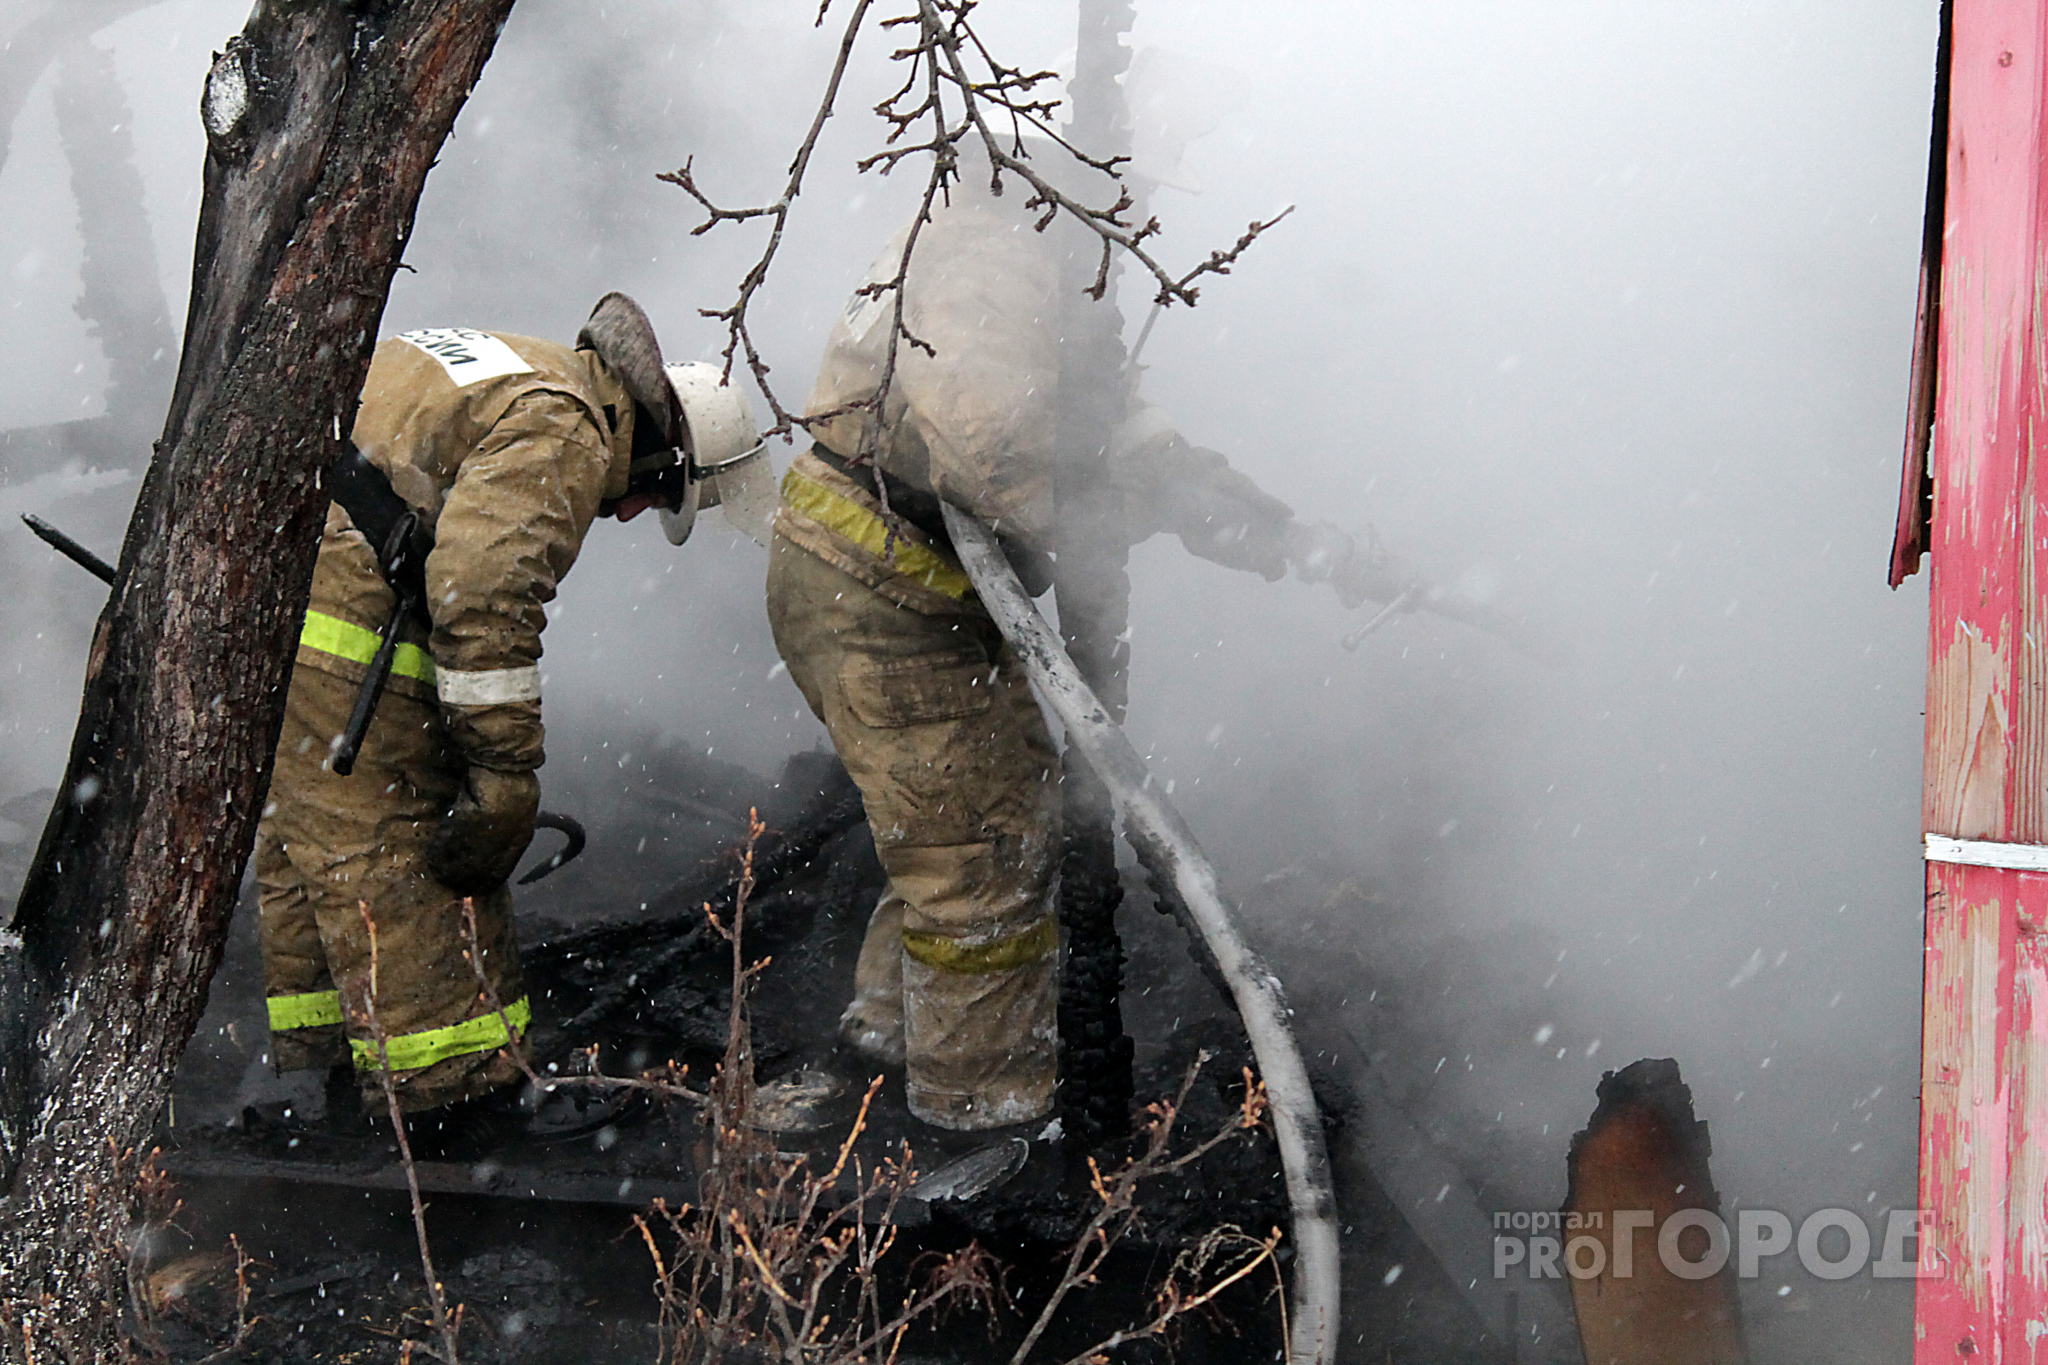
(925, 702)
(506, 448)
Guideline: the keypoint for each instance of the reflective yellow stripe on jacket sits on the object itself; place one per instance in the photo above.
(312, 1009)
(410, 1051)
(347, 640)
(844, 517)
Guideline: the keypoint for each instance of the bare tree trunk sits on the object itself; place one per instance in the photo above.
(322, 121)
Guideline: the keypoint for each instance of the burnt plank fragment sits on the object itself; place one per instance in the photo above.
(1641, 1161)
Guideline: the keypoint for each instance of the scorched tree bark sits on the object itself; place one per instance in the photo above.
(322, 119)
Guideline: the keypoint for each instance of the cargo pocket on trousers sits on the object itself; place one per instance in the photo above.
(890, 694)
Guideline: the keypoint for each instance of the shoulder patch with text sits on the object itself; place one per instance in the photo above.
(469, 356)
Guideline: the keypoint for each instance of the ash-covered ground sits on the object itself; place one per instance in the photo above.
(538, 1242)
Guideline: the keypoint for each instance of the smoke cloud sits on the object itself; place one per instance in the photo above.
(1600, 309)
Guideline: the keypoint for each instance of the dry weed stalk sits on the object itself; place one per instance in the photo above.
(781, 1260)
(664, 1081)
(777, 1258)
(1225, 1252)
(153, 1294)
(1198, 1277)
(153, 1204)
(447, 1326)
(243, 1322)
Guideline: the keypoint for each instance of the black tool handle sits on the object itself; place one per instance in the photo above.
(70, 549)
(399, 561)
(371, 692)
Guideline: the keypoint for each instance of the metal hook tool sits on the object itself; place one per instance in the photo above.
(1387, 613)
(568, 826)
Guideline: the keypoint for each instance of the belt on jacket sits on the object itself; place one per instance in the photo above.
(850, 521)
(915, 505)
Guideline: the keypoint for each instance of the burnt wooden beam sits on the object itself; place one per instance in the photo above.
(27, 50)
(1644, 1155)
(1092, 585)
(322, 120)
(121, 298)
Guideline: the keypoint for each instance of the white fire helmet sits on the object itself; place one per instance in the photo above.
(731, 459)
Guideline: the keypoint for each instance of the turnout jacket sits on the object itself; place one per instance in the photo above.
(973, 420)
(504, 445)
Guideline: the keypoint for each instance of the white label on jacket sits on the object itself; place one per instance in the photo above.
(469, 356)
(488, 687)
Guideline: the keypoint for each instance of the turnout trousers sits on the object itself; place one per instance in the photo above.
(366, 957)
(932, 716)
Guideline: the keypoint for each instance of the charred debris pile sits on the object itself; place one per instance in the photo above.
(619, 956)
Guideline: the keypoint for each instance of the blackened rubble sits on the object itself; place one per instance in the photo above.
(647, 985)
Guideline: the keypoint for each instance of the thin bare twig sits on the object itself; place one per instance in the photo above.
(767, 1263)
(445, 1324)
(739, 338)
(243, 1322)
(665, 1081)
(945, 51)
(1192, 1266)
(1117, 1193)
(150, 1195)
(1108, 224)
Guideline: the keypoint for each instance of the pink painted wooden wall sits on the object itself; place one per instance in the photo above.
(1984, 1067)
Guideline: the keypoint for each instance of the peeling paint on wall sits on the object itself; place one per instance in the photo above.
(1966, 737)
(1961, 987)
(2027, 1138)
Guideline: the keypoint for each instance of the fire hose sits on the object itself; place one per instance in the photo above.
(1168, 849)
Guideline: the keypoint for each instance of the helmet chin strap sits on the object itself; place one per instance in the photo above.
(664, 471)
(678, 521)
(705, 471)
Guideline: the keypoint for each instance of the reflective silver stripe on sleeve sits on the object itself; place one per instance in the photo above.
(488, 687)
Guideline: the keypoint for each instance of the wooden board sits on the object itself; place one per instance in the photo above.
(1984, 1090)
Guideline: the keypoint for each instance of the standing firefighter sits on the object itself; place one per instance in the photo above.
(926, 704)
(504, 449)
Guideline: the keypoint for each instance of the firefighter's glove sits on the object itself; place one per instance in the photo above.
(480, 840)
(1360, 573)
